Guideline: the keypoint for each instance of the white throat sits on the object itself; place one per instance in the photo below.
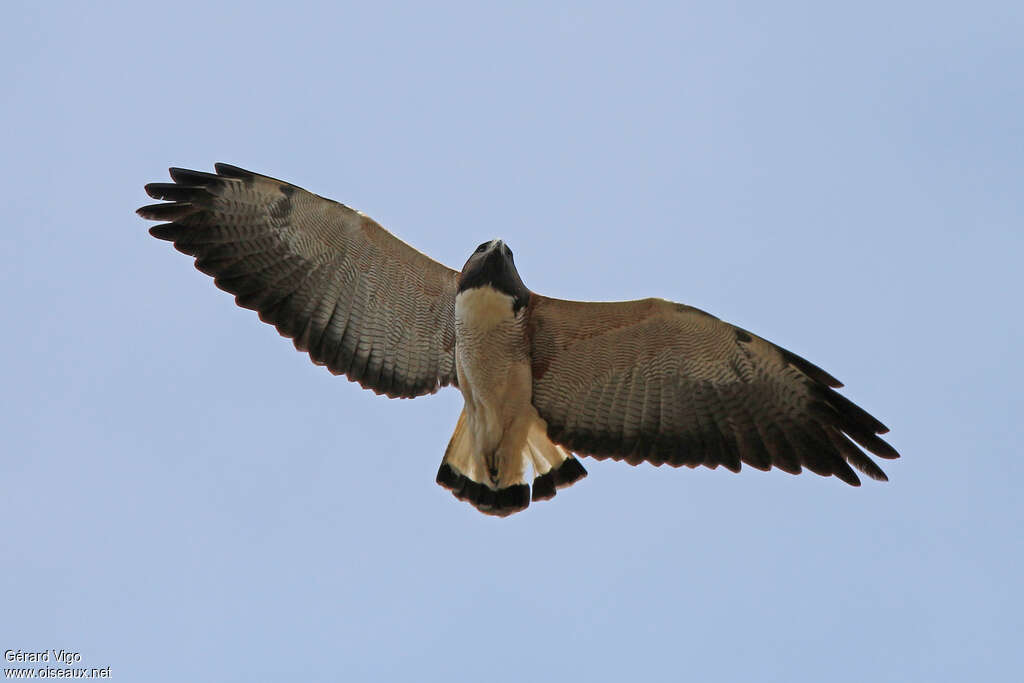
(483, 308)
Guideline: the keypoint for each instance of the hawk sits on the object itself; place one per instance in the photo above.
(542, 379)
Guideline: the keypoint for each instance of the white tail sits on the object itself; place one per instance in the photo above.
(466, 474)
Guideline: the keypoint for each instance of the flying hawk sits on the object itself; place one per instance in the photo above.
(542, 378)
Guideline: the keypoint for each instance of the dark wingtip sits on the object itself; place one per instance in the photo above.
(865, 464)
(180, 197)
(186, 176)
(174, 192)
(810, 369)
(873, 443)
(230, 171)
(168, 211)
(165, 231)
(847, 475)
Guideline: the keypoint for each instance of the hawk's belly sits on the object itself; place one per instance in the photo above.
(493, 368)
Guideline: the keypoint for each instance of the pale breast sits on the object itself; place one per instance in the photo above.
(489, 343)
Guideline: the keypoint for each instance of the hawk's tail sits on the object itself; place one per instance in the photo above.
(465, 472)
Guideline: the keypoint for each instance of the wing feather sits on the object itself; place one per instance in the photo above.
(666, 383)
(357, 299)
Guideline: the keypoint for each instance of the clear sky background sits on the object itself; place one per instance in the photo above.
(188, 498)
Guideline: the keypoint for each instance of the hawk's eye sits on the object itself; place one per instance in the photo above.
(508, 252)
(482, 248)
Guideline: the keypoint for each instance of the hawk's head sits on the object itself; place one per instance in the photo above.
(492, 265)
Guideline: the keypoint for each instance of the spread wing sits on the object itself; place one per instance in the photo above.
(666, 383)
(356, 298)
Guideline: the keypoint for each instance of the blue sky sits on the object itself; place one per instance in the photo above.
(188, 498)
